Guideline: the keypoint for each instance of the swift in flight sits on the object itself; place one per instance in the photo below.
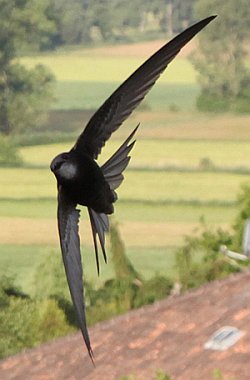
(80, 180)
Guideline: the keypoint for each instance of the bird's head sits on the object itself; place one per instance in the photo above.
(58, 161)
(63, 167)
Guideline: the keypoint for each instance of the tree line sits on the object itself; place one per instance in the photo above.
(33, 25)
(86, 21)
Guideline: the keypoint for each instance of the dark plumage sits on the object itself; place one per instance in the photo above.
(81, 181)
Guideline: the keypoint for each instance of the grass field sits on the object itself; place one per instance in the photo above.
(160, 205)
(86, 79)
(73, 67)
(166, 189)
(125, 211)
(21, 261)
(156, 186)
(90, 95)
(155, 153)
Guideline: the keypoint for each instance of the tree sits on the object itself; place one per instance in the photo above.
(122, 265)
(70, 21)
(84, 21)
(200, 259)
(224, 77)
(24, 94)
(9, 156)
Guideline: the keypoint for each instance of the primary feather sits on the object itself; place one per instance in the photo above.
(68, 221)
(127, 97)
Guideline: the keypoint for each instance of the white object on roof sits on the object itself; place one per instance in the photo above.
(245, 245)
(234, 255)
(246, 238)
(224, 338)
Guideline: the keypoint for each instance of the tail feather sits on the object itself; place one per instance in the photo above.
(99, 225)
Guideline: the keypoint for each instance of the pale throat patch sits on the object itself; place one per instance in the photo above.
(68, 170)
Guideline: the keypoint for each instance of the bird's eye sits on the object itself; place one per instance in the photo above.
(57, 165)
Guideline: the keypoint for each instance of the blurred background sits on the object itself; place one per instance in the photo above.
(187, 188)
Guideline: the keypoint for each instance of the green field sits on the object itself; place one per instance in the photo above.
(90, 95)
(167, 188)
(156, 208)
(157, 154)
(75, 67)
(140, 185)
(20, 262)
(127, 210)
(85, 81)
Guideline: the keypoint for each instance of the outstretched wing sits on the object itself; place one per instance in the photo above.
(112, 171)
(68, 220)
(127, 97)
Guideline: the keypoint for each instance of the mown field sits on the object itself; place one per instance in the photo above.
(184, 166)
(161, 200)
(86, 78)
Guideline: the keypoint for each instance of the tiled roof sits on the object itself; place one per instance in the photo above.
(169, 335)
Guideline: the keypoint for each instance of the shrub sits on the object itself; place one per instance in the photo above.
(9, 155)
(25, 322)
(152, 290)
(199, 260)
(52, 321)
(18, 327)
(206, 164)
(123, 267)
(50, 280)
(51, 272)
(240, 104)
(209, 103)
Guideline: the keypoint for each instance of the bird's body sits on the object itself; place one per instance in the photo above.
(83, 181)
(80, 180)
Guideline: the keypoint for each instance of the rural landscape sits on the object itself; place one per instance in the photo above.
(187, 181)
(184, 166)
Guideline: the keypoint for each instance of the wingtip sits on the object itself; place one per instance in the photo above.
(207, 20)
(105, 258)
(137, 126)
(103, 251)
(196, 28)
(132, 133)
(91, 355)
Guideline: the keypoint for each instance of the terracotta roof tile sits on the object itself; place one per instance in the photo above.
(168, 335)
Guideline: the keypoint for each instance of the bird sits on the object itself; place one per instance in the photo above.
(81, 181)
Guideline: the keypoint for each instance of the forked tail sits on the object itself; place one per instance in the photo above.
(112, 171)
